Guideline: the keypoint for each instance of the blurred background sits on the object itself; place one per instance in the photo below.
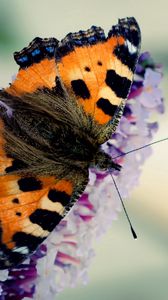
(122, 268)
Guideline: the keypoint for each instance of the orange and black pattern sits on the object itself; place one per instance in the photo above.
(87, 71)
(99, 70)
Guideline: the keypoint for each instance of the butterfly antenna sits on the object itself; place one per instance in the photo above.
(115, 184)
(124, 208)
(147, 145)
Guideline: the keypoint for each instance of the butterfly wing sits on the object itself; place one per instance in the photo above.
(27, 218)
(99, 70)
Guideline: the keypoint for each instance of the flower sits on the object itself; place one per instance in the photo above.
(63, 259)
(151, 95)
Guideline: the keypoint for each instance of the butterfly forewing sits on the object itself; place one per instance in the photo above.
(99, 70)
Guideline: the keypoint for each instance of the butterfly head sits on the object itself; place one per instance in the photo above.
(103, 161)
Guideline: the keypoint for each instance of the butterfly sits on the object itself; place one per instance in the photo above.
(65, 102)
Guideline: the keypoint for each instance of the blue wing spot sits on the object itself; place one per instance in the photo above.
(23, 59)
(35, 52)
(91, 39)
(50, 49)
(78, 42)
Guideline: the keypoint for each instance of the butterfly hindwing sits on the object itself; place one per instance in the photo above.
(27, 218)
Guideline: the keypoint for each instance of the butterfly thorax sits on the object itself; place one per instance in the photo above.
(81, 152)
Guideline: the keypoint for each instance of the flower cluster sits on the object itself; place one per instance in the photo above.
(63, 259)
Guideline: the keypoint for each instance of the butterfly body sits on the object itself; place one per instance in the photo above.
(65, 102)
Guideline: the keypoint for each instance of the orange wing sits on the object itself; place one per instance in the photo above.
(37, 67)
(99, 70)
(27, 218)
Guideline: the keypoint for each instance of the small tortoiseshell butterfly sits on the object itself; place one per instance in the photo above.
(66, 101)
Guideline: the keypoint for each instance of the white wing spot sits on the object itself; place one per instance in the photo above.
(132, 49)
(23, 250)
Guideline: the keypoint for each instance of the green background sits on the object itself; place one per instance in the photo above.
(123, 269)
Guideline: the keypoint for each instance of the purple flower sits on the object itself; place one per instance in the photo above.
(151, 96)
